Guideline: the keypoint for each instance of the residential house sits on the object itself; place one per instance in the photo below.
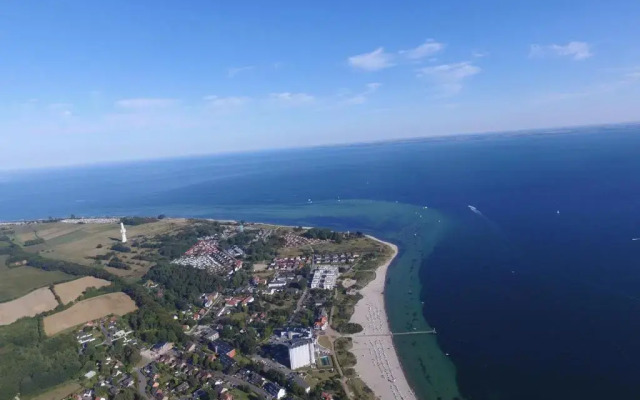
(274, 390)
(302, 383)
(321, 323)
(161, 348)
(226, 361)
(182, 387)
(211, 335)
(223, 348)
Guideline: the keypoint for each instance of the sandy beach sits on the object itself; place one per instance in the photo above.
(378, 364)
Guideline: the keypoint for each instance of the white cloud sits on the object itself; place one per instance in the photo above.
(146, 103)
(374, 61)
(226, 102)
(63, 110)
(233, 71)
(479, 54)
(576, 50)
(363, 96)
(449, 77)
(293, 99)
(426, 49)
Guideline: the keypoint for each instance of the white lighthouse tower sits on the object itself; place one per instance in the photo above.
(123, 232)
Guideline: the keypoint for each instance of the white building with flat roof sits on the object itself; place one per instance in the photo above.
(302, 353)
(325, 277)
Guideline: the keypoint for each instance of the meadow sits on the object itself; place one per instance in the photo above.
(18, 281)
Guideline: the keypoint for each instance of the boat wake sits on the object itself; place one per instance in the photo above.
(475, 210)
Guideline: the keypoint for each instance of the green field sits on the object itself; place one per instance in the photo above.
(16, 282)
(78, 243)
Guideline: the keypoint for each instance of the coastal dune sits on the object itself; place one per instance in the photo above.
(378, 364)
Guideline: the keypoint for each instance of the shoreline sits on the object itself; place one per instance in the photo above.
(378, 364)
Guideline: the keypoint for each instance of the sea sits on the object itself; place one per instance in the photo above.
(534, 293)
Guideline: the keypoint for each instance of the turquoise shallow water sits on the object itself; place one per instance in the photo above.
(528, 302)
(415, 230)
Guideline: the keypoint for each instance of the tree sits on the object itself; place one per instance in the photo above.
(276, 376)
(127, 394)
(131, 356)
(195, 359)
(295, 388)
(247, 343)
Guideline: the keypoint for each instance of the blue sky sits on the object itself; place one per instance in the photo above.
(87, 82)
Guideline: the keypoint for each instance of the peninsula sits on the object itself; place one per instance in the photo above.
(193, 307)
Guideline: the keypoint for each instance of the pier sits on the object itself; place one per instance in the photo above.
(432, 331)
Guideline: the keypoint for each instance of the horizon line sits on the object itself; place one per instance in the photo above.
(550, 130)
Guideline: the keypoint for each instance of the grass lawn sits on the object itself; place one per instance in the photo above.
(324, 342)
(59, 392)
(316, 376)
(240, 317)
(16, 282)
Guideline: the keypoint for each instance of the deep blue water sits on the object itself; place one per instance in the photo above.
(531, 304)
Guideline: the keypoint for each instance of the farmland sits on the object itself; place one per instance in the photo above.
(29, 305)
(81, 243)
(69, 291)
(18, 281)
(88, 310)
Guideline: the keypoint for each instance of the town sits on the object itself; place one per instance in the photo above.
(240, 311)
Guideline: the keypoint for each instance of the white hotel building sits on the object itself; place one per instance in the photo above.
(302, 353)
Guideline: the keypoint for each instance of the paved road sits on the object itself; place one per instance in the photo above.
(142, 380)
(304, 293)
(107, 337)
(142, 384)
(215, 302)
(299, 304)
